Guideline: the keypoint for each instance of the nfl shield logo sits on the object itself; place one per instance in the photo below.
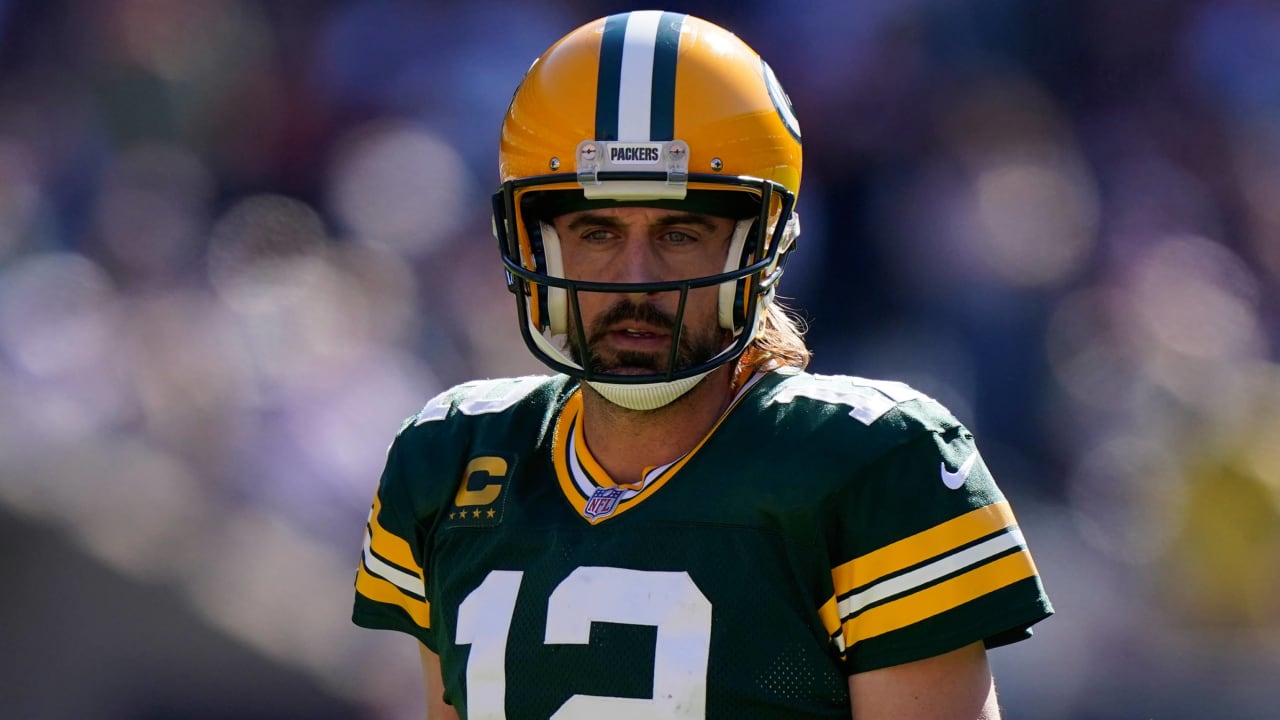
(603, 502)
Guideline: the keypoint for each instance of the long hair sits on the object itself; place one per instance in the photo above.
(780, 339)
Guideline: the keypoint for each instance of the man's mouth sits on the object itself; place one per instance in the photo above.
(639, 337)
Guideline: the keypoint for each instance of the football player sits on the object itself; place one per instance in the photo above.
(681, 522)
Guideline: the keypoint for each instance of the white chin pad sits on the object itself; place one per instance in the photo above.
(729, 290)
(649, 396)
(557, 299)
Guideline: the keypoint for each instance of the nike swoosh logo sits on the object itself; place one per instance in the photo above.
(955, 479)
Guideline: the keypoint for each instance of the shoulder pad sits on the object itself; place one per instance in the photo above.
(867, 400)
(852, 420)
(478, 397)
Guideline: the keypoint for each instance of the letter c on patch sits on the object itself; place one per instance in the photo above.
(494, 467)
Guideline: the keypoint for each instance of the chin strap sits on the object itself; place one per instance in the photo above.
(649, 396)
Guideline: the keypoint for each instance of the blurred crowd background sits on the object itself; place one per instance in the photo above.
(241, 240)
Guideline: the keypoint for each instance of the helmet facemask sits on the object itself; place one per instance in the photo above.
(550, 304)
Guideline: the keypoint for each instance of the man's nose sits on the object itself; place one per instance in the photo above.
(638, 262)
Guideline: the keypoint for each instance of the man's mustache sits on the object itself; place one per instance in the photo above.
(625, 310)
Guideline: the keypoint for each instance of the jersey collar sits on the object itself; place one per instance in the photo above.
(588, 487)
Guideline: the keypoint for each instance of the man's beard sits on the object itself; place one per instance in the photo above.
(694, 348)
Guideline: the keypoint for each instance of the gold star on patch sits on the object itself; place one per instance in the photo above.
(491, 513)
(452, 515)
(475, 514)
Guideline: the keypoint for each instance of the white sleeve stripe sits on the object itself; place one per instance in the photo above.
(401, 579)
(922, 576)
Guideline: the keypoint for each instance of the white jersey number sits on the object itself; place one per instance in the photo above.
(668, 601)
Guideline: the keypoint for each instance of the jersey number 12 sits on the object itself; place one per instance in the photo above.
(668, 601)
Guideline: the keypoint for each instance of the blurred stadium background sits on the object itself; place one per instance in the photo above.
(240, 240)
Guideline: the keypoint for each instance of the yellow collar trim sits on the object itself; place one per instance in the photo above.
(585, 483)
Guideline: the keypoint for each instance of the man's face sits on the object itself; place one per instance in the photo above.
(631, 333)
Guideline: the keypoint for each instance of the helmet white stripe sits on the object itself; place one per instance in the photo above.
(635, 86)
(635, 91)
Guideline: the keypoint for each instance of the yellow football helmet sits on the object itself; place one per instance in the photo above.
(646, 108)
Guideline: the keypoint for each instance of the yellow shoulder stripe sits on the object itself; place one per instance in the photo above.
(922, 546)
(390, 546)
(829, 614)
(379, 590)
(939, 598)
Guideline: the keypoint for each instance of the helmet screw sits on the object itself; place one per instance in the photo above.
(555, 164)
(717, 164)
(589, 153)
(676, 152)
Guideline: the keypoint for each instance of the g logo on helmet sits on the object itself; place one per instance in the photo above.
(781, 101)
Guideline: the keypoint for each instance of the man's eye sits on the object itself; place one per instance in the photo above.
(676, 237)
(597, 236)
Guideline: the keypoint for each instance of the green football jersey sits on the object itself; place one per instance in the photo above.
(825, 526)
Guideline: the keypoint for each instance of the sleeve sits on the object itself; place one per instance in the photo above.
(390, 582)
(927, 555)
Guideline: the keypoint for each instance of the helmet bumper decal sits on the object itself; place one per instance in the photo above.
(633, 170)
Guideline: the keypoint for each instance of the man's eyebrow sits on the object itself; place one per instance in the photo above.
(598, 219)
(704, 221)
(593, 219)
